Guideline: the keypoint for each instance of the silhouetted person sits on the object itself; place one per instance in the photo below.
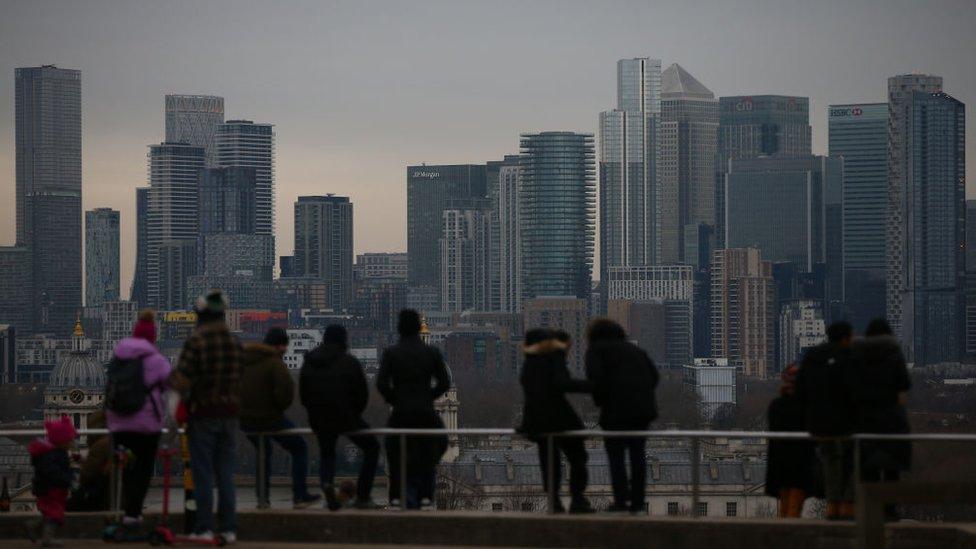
(790, 463)
(412, 376)
(623, 379)
(545, 381)
(333, 389)
(267, 390)
(823, 385)
(881, 384)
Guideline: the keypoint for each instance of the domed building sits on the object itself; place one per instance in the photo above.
(77, 384)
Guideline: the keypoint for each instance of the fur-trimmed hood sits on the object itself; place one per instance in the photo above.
(543, 347)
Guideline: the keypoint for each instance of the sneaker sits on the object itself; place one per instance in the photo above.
(47, 536)
(201, 537)
(331, 499)
(365, 505)
(426, 504)
(229, 537)
(307, 501)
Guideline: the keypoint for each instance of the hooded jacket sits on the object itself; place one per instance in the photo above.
(412, 376)
(545, 381)
(879, 376)
(623, 379)
(267, 389)
(824, 388)
(52, 468)
(332, 388)
(155, 373)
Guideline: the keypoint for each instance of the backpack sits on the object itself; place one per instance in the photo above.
(125, 390)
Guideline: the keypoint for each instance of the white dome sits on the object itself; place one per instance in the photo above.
(78, 369)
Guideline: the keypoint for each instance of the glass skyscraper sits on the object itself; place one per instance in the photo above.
(48, 191)
(140, 288)
(323, 245)
(101, 256)
(859, 134)
(193, 120)
(226, 201)
(628, 153)
(556, 211)
(244, 144)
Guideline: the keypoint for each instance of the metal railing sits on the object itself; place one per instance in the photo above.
(693, 436)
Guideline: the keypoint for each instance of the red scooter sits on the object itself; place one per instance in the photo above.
(163, 534)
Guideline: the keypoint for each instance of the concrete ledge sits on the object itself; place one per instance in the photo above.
(530, 530)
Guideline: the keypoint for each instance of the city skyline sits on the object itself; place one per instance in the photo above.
(429, 115)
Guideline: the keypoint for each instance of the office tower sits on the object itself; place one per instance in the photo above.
(465, 257)
(193, 120)
(970, 236)
(101, 256)
(381, 266)
(566, 313)
(509, 237)
(801, 326)
(859, 134)
(790, 209)
(323, 244)
(556, 214)
(499, 175)
(241, 265)
(140, 285)
(174, 174)
(650, 282)
(743, 310)
(226, 201)
(16, 285)
(429, 190)
(8, 354)
(118, 320)
(900, 102)
(628, 153)
(926, 252)
(244, 144)
(754, 126)
(686, 162)
(662, 327)
(48, 191)
(286, 266)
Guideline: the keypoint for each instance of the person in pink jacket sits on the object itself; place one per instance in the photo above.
(136, 428)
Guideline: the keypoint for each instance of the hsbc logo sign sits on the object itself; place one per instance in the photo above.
(847, 111)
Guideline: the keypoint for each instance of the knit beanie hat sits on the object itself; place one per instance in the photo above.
(145, 327)
(335, 334)
(276, 336)
(60, 431)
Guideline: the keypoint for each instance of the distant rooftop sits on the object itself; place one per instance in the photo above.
(676, 82)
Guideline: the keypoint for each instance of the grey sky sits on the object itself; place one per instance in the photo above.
(359, 90)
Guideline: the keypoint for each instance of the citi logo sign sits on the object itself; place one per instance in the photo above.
(426, 175)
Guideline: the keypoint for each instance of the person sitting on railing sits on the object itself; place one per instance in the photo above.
(333, 389)
(790, 468)
(623, 380)
(412, 376)
(881, 390)
(545, 381)
(267, 390)
(824, 386)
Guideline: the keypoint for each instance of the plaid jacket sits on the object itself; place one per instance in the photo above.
(208, 372)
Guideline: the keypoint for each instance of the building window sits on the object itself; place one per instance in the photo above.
(701, 510)
(731, 509)
(672, 508)
(497, 507)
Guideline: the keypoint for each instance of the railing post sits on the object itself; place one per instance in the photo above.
(114, 481)
(263, 488)
(403, 471)
(695, 467)
(552, 491)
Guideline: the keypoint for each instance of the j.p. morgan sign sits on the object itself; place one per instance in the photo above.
(425, 175)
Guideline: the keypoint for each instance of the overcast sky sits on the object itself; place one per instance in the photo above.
(359, 90)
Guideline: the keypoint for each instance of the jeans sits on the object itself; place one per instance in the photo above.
(837, 459)
(139, 470)
(213, 454)
(634, 494)
(294, 445)
(367, 471)
(575, 453)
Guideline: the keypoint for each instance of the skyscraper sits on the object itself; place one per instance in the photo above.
(101, 256)
(754, 126)
(927, 169)
(140, 285)
(193, 120)
(48, 190)
(244, 144)
(429, 190)
(498, 276)
(628, 153)
(743, 310)
(556, 214)
(509, 237)
(226, 201)
(323, 244)
(859, 134)
(174, 175)
(466, 257)
(685, 198)
(900, 102)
